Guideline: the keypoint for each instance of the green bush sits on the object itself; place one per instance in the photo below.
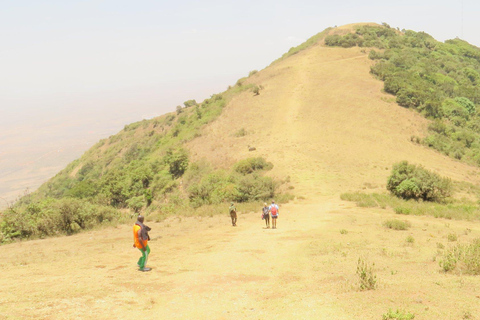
(245, 183)
(250, 165)
(190, 103)
(254, 187)
(177, 161)
(409, 181)
(52, 217)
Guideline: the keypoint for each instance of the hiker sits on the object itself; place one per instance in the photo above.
(233, 214)
(274, 211)
(266, 215)
(140, 238)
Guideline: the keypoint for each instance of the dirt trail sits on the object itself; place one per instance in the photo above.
(203, 268)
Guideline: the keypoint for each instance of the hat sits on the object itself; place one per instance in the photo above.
(231, 203)
(264, 203)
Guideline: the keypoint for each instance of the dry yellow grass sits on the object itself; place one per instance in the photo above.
(322, 120)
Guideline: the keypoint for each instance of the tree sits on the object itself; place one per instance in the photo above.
(177, 162)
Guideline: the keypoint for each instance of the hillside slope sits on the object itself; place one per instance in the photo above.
(323, 120)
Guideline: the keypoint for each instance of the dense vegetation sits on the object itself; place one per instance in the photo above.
(440, 80)
(145, 167)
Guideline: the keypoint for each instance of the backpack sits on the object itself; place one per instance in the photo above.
(274, 210)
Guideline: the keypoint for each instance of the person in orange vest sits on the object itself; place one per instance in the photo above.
(140, 238)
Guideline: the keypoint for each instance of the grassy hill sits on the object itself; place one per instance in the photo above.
(315, 116)
(313, 126)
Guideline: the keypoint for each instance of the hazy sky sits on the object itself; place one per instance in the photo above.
(86, 68)
(153, 55)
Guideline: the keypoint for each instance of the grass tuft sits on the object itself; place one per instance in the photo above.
(367, 277)
(396, 224)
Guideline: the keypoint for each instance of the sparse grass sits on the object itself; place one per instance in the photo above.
(410, 239)
(462, 258)
(343, 231)
(455, 209)
(396, 224)
(240, 133)
(399, 314)
(365, 272)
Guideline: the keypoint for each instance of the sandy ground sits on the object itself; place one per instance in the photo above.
(324, 122)
(203, 268)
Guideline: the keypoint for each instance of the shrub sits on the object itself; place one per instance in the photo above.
(414, 182)
(368, 279)
(250, 165)
(51, 217)
(136, 203)
(190, 103)
(397, 224)
(467, 104)
(254, 187)
(177, 162)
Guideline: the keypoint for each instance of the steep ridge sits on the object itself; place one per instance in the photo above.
(323, 120)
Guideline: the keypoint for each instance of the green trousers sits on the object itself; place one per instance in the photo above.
(142, 262)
